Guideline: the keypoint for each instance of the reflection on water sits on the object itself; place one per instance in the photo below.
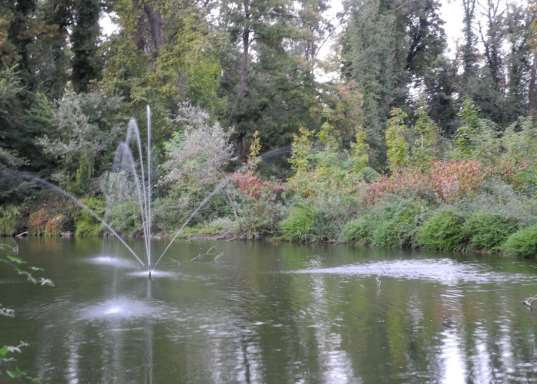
(112, 261)
(119, 307)
(273, 314)
(155, 274)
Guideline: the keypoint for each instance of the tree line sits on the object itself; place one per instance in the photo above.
(253, 66)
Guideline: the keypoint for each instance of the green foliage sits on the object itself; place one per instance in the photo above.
(223, 227)
(425, 147)
(369, 175)
(86, 225)
(443, 231)
(258, 218)
(195, 159)
(397, 147)
(124, 217)
(198, 151)
(394, 224)
(379, 53)
(344, 111)
(499, 198)
(9, 216)
(85, 39)
(8, 354)
(488, 231)
(359, 156)
(465, 138)
(302, 148)
(358, 230)
(164, 55)
(268, 74)
(522, 243)
(322, 170)
(23, 115)
(299, 224)
(86, 131)
(390, 224)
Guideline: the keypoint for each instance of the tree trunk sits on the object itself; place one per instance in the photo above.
(156, 24)
(149, 35)
(533, 89)
(243, 82)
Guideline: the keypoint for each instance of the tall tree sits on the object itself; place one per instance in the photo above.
(85, 36)
(54, 63)
(518, 23)
(20, 36)
(489, 92)
(268, 80)
(390, 46)
(164, 54)
(469, 49)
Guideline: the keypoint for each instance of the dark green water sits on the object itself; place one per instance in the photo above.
(233, 312)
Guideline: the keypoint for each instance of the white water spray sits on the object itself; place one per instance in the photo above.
(140, 172)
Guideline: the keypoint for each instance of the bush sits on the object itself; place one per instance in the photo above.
(487, 231)
(195, 161)
(444, 231)
(198, 151)
(500, 199)
(47, 222)
(9, 216)
(125, 218)
(444, 181)
(389, 224)
(358, 230)
(300, 223)
(86, 129)
(256, 204)
(522, 243)
(220, 227)
(86, 225)
(396, 223)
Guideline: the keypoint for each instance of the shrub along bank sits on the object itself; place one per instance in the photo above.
(472, 193)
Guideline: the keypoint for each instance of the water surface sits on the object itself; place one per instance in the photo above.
(234, 312)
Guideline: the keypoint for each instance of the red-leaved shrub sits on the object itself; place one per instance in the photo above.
(444, 180)
(253, 187)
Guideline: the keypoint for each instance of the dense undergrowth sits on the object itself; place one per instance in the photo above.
(472, 193)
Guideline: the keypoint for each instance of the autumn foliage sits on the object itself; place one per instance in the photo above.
(444, 180)
(254, 187)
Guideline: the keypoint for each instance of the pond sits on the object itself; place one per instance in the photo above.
(238, 312)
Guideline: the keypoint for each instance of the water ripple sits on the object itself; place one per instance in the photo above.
(444, 271)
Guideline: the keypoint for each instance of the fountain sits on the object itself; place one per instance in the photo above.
(125, 163)
(138, 171)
